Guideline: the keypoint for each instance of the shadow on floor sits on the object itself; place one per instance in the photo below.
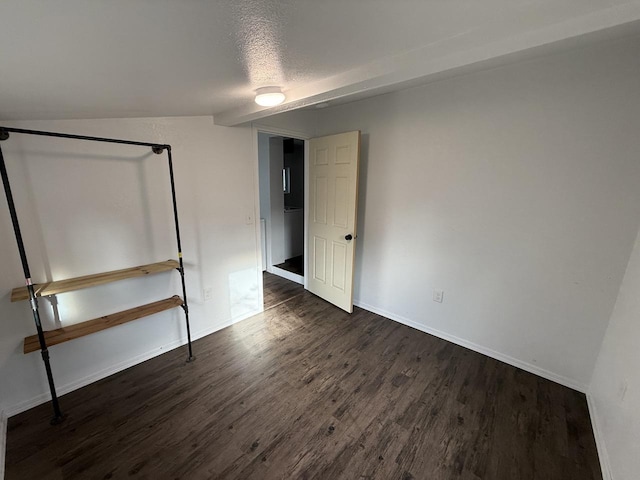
(278, 290)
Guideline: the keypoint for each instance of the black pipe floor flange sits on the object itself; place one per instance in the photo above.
(58, 419)
(4, 135)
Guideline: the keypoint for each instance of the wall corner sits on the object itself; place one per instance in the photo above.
(603, 455)
(3, 441)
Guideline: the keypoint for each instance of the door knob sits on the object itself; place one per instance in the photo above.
(348, 237)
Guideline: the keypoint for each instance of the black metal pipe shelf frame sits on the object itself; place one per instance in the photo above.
(157, 148)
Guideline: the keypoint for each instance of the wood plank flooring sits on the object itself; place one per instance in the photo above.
(278, 290)
(306, 391)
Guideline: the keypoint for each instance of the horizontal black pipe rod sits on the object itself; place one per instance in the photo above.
(81, 137)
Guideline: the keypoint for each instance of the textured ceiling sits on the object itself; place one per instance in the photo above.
(122, 58)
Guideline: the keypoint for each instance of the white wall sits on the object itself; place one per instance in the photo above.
(87, 207)
(264, 178)
(615, 387)
(3, 441)
(516, 190)
(296, 123)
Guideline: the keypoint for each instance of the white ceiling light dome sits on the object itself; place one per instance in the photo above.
(269, 96)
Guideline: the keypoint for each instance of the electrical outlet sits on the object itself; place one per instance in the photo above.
(438, 295)
(207, 294)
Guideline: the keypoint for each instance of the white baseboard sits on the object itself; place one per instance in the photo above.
(3, 441)
(600, 445)
(294, 277)
(118, 367)
(554, 377)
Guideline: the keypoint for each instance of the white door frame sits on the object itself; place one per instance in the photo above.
(258, 128)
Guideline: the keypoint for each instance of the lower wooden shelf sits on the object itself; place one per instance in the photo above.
(61, 335)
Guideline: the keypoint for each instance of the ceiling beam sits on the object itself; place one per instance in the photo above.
(477, 49)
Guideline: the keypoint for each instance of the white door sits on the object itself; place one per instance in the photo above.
(333, 202)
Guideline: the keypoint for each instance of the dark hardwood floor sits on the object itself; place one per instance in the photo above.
(307, 391)
(278, 290)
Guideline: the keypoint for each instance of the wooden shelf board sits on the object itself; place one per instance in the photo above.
(71, 284)
(61, 335)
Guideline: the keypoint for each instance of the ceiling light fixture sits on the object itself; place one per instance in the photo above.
(269, 96)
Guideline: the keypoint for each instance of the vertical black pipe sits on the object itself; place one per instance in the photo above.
(57, 414)
(185, 306)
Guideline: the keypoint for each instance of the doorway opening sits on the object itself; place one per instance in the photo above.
(281, 172)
